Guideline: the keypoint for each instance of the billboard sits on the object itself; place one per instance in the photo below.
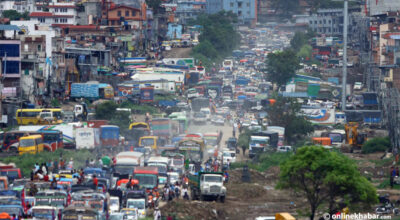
(146, 94)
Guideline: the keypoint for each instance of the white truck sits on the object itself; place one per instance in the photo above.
(228, 155)
(127, 161)
(207, 184)
(87, 138)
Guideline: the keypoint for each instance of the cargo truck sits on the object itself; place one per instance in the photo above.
(92, 90)
(208, 185)
(87, 138)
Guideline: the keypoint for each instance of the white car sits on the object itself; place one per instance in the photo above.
(228, 155)
(207, 112)
(358, 86)
(284, 149)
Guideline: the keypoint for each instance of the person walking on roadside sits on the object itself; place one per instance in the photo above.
(157, 214)
(243, 150)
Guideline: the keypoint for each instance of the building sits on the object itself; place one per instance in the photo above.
(89, 12)
(382, 6)
(128, 16)
(20, 6)
(59, 13)
(10, 54)
(189, 9)
(246, 10)
(214, 6)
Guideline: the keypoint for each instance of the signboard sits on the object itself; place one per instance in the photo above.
(189, 148)
(147, 94)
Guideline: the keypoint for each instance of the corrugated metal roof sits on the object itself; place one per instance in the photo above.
(4, 27)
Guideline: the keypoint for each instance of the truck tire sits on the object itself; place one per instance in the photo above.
(222, 199)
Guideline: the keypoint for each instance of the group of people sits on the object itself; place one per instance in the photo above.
(171, 191)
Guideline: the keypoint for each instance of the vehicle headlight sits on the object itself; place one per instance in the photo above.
(143, 213)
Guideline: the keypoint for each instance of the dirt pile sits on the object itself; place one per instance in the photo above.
(235, 176)
(246, 191)
(183, 209)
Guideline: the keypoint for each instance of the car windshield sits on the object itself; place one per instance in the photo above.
(213, 179)
(27, 142)
(254, 142)
(178, 162)
(114, 202)
(123, 169)
(147, 180)
(148, 142)
(116, 216)
(210, 141)
(199, 115)
(43, 213)
(11, 210)
(139, 204)
(161, 168)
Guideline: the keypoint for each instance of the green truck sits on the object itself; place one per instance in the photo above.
(207, 185)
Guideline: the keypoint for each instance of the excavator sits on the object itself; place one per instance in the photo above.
(354, 138)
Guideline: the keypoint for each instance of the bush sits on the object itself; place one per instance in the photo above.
(265, 161)
(26, 162)
(379, 144)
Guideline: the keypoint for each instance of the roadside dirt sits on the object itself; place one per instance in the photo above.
(243, 201)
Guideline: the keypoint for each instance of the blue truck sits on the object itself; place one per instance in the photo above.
(91, 91)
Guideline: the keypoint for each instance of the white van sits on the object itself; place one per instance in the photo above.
(228, 155)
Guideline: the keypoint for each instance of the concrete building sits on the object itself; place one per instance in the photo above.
(382, 6)
(59, 13)
(89, 12)
(125, 15)
(20, 6)
(214, 6)
(189, 9)
(246, 10)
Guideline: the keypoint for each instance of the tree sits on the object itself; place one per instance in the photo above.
(106, 110)
(155, 5)
(281, 66)
(287, 7)
(299, 39)
(244, 138)
(122, 120)
(284, 113)
(305, 52)
(14, 15)
(325, 177)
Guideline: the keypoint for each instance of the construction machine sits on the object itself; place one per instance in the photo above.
(354, 138)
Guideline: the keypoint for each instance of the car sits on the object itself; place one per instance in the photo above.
(284, 149)
(218, 120)
(358, 86)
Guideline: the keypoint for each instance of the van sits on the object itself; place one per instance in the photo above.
(207, 112)
(32, 144)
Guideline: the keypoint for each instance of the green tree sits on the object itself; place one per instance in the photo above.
(284, 113)
(281, 66)
(244, 138)
(325, 177)
(155, 5)
(122, 120)
(379, 144)
(299, 40)
(14, 15)
(106, 110)
(215, 30)
(286, 7)
(305, 52)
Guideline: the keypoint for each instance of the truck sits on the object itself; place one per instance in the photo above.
(281, 133)
(207, 185)
(370, 100)
(161, 127)
(257, 145)
(127, 161)
(109, 135)
(92, 90)
(199, 103)
(147, 176)
(87, 138)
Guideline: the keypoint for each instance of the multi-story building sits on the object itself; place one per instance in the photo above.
(20, 6)
(125, 15)
(246, 10)
(10, 53)
(189, 9)
(214, 6)
(59, 13)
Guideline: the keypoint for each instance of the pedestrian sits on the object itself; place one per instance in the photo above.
(166, 193)
(392, 175)
(53, 184)
(62, 164)
(244, 149)
(157, 214)
(226, 175)
(228, 164)
(71, 164)
(87, 162)
(100, 162)
(177, 190)
(95, 181)
(92, 162)
(185, 194)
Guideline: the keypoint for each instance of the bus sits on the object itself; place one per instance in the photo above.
(32, 144)
(192, 149)
(52, 139)
(37, 116)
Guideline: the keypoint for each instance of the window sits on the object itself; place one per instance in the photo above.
(133, 13)
(324, 21)
(63, 10)
(126, 13)
(39, 8)
(112, 22)
(239, 4)
(42, 20)
(39, 47)
(119, 13)
(320, 22)
(231, 4)
(56, 10)
(239, 13)
(56, 20)
(329, 21)
(310, 22)
(315, 22)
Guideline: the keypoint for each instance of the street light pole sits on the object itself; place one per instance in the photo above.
(344, 74)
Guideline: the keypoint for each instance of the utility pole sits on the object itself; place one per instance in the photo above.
(344, 74)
